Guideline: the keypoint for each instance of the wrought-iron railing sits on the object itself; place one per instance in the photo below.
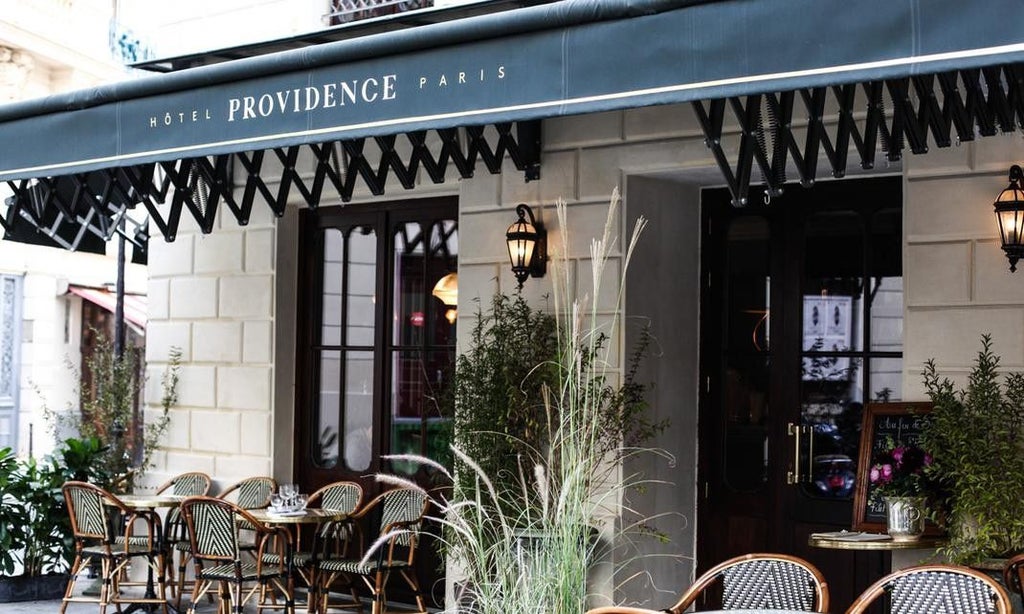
(346, 11)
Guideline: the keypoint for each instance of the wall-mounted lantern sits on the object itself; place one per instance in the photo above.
(1010, 215)
(527, 246)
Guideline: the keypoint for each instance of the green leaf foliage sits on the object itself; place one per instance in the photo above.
(111, 415)
(977, 434)
(498, 407)
(497, 396)
(35, 530)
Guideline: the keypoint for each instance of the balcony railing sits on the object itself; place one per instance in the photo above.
(347, 11)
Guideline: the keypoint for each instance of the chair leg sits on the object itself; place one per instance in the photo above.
(415, 586)
(76, 567)
(105, 585)
(161, 561)
(172, 580)
(181, 583)
(379, 581)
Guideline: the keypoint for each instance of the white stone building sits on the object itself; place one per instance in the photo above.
(48, 47)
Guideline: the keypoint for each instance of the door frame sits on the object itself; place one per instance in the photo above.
(787, 228)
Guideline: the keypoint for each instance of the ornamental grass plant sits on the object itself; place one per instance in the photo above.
(527, 544)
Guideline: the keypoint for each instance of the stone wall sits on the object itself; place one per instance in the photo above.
(958, 284)
(212, 296)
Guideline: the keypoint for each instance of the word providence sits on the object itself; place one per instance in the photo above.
(310, 98)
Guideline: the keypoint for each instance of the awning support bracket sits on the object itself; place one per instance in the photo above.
(201, 184)
(975, 101)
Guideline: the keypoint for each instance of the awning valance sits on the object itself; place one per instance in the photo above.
(135, 305)
(563, 58)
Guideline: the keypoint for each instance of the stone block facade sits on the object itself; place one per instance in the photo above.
(228, 298)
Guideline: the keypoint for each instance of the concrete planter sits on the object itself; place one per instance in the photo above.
(32, 588)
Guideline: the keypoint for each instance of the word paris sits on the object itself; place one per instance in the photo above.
(459, 78)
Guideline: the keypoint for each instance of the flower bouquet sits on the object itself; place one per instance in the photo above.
(899, 470)
(899, 477)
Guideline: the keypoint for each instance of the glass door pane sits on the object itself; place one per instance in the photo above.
(746, 402)
(832, 386)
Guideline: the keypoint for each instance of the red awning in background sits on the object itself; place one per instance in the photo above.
(135, 305)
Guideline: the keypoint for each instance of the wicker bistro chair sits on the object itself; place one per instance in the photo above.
(622, 609)
(95, 538)
(762, 581)
(937, 589)
(1013, 574)
(402, 511)
(213, 530)
(250, 493)
(331, 539)
(191, 484)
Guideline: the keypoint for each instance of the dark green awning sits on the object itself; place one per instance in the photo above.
(557, 59)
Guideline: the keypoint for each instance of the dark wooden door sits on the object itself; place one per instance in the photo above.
(801, 324)
(376, 347)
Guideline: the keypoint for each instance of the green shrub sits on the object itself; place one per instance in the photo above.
(977, 434)
(35, 530)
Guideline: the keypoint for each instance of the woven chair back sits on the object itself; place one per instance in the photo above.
(768, 584)
(212, 528)
(87, 510)
(255, 492)
(192, 484)
(937, 589)
(402, 505)
(765, 581)
(339, 496)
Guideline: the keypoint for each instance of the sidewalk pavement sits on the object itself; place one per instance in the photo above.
(53, 607)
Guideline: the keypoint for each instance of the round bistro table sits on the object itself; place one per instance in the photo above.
(309, 515)
(840, 543)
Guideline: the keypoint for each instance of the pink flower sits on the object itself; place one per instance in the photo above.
(897, 454)
(875, 474)
(887, 472)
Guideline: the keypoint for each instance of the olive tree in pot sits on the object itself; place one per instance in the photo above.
(35, 531)
(110, 412)
(977, 435)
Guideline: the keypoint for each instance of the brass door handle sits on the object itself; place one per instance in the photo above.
(795, 430)
(810, 453)
(793, 475)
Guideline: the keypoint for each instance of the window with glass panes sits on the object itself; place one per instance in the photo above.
(376, 342)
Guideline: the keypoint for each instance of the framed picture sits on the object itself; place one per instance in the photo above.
(900, 422)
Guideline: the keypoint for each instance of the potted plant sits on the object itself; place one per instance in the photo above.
(497, 392)
(899, 476)
(522, 531)
(35, 531)
(977, 434)
(109, 410)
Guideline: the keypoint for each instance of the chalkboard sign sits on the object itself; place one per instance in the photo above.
(899, 422)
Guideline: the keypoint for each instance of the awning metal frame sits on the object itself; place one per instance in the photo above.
(74, 210)
(99, 200)
(969, 102)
